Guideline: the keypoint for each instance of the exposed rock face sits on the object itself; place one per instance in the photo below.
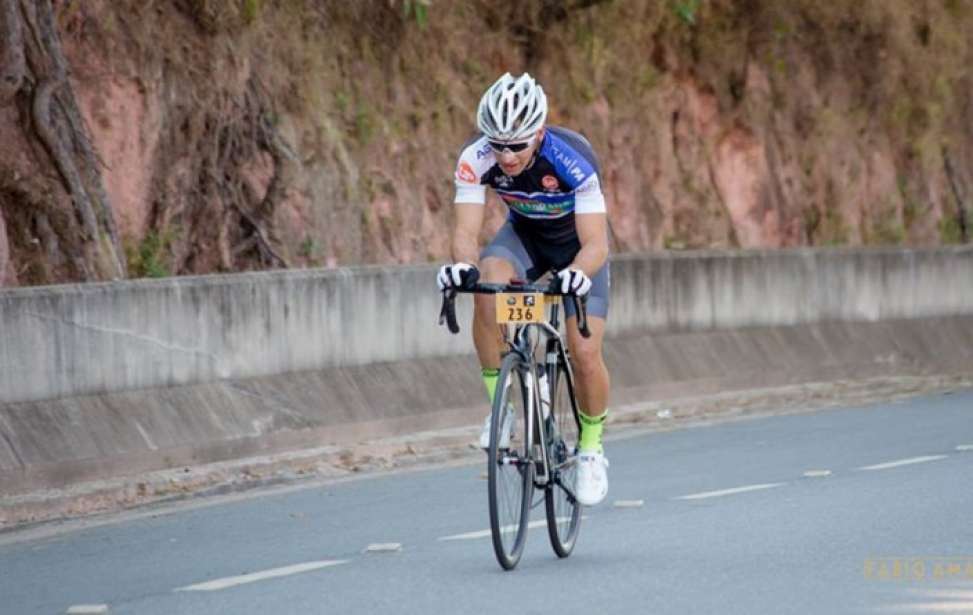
(124, 120)
(222, 145)
(742, 178)
(5, 276)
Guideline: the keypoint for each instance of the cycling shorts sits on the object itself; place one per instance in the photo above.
(532, 259)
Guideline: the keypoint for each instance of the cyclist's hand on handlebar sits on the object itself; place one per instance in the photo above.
(457, 275)
(573, 281)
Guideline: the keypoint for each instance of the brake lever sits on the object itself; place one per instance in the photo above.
(447, 312)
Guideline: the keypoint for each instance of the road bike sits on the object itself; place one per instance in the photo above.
(537, 394)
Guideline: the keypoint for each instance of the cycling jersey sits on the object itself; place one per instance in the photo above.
(561, 181)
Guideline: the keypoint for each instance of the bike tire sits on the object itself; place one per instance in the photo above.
(562, 509)
(510, 485)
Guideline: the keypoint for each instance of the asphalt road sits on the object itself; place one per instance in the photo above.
(729, 524)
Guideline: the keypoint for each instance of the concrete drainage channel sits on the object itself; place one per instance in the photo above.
(131, 393)
(423, 450)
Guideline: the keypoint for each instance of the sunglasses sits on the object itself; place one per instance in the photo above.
(501, 146)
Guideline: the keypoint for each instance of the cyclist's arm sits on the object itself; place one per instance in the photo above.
(593, 233)
(470, 202)
(466, 233)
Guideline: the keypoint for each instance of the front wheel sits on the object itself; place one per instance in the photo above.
(510, 472)
(563, 509)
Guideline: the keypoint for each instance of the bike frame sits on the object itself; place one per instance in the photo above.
(555, 350)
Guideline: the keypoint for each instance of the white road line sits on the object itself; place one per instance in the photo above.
(384, 547)
(817, 473)
(965, 447)
(722, 492)
(948, 594)
(507, 529)
(930, 607)
(902, 462)
(87, 609)
(274, 573)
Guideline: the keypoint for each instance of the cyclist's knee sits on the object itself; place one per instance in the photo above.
(495, 270)
(587, 351)
(588, 358)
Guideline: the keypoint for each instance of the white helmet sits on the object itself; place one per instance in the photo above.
(512, 109)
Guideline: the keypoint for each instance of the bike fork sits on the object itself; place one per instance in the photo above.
(535, 421)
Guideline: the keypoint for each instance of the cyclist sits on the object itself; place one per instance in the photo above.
(548, 178)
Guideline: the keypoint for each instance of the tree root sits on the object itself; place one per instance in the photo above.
(48, 133)
(257, 221)
(258, 239)
(59, 127)
(13, 65)
(4, 251)
(960, 201)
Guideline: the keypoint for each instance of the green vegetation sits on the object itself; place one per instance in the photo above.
(829, 229)
(886, 230)
(250, 10)
(310, 251)
(674, 243)
(418, 9)
(308, 247)
(365, 123)
(686, 10)
(148, 258)
(950, 231)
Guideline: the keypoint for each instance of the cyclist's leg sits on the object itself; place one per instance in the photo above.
(591, 374)
(486, 332)
(591, 480)
(503, 258)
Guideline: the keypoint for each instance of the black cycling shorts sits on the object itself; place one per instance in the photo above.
(532, 259)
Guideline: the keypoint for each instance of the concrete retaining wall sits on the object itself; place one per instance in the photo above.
(790, 287)
(76, 340)
(108, 379)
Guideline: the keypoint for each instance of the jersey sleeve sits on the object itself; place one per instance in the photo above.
(588, 198)
(474, 161)
(467, 192)
(575, 162)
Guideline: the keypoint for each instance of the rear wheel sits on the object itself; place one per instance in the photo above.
(510, 473)
(563, 509)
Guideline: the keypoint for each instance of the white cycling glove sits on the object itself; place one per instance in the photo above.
(574, 281)
(457, 275)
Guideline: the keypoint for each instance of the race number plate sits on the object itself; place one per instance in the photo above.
(520, 307)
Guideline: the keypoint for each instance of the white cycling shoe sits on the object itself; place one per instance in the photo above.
(506, 430)
(591, 484)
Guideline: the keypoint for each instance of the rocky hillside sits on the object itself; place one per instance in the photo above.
(165, 137)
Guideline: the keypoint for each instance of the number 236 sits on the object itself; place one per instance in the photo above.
(517, 313)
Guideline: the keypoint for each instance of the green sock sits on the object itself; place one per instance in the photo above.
(591, 428)
(490, 380)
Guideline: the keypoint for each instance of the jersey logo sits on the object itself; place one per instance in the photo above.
(504, 181)
(570, 164)
(465, 173)
(550, 183)
(537, 208)
(483, 153)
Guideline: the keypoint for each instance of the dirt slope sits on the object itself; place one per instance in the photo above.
(161, 137)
